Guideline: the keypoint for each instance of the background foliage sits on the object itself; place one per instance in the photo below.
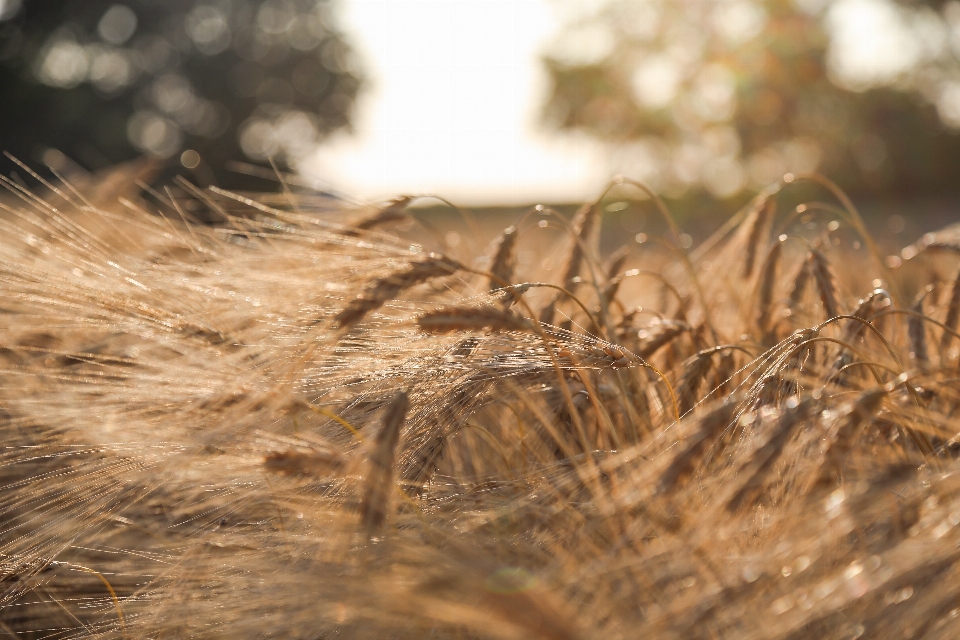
(104, 82)
(730, 94)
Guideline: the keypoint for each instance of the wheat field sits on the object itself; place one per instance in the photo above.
(297, 422)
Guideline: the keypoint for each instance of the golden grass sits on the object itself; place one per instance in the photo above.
(296, 424)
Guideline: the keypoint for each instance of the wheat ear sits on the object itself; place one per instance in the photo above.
(917, 333)
(768, 280)
(664, 337)
(389, 287)
(800, 280)
(866, 406)
(378, 486)
(826, 282)
(767, 455)
(451, 319)
(394, 211)
(583, 224)
(683, 462)
(854, 329)
(695, 370)
(501, 269)
(953, 314)
(760, 223)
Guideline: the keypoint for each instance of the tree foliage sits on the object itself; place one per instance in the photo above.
(730, 94)
(104, 81)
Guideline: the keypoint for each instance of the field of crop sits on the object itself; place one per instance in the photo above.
(298, 422)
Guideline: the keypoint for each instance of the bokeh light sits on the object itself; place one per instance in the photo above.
(9, 8)
(802, 85)
(254, 78)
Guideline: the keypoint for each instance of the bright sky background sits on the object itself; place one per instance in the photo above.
(455, 87)
(452, 107)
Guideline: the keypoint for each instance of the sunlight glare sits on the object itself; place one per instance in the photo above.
(452, 107)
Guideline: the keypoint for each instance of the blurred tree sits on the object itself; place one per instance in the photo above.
(728, 94)
(204, 81)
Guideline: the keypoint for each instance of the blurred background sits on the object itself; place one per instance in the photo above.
(499, 102)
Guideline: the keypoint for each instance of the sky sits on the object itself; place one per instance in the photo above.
(451, 107)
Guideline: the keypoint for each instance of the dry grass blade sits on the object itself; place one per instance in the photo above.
(389, 287)
(826, 282)
(378, 486)
(501, 269)
(472, 319)
(511, 295)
